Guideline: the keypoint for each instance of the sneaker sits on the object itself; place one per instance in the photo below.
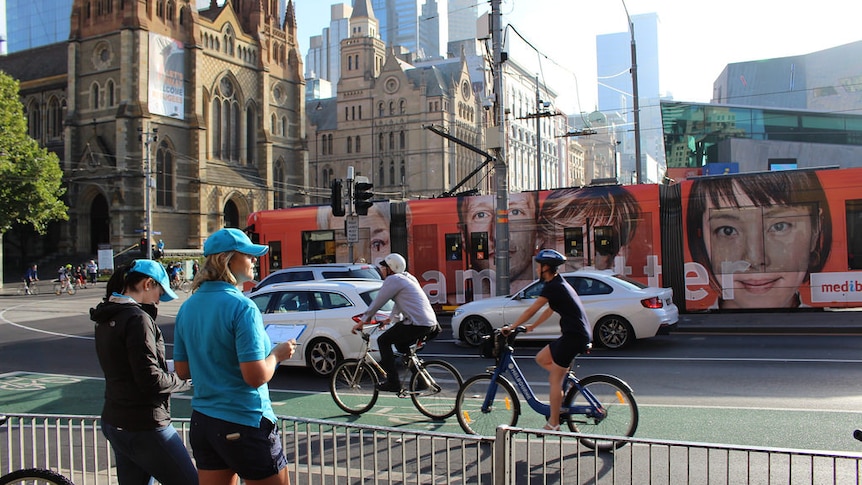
(389, 386)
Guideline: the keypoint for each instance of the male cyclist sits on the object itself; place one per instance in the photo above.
(413, 316)
(574, 326)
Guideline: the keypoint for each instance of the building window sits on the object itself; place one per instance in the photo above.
(109, 90)
(380, 109)
(164, 176)
(403, 139)
(280, 194)
(55, 118)
(402, 106)
(392, 141)
(380, 142)
(226, 121)
(349, 145)
(94, 96)
(391, 173)
(358, 148)
(250, 135)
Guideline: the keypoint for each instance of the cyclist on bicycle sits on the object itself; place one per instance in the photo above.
(577, 334)
(413, 316)
(31, 277)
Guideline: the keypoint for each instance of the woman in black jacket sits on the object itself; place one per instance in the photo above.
(136, 417)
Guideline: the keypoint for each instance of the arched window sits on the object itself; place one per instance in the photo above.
(391, 173)
(330, 143)
(391, 108)
(164, 176)
(250, 135)
(34, 120)
(278, 180)
(109, 90)
(55, 118)
(403, 171)
(349, 63)
(402, 106)
(358, 147)
(349, 145)
(380, 109)
(94, 96)
(403, 139)
(226, 122)
(392, 141)
(284, 127)
(380, 142)
(169, 13)
(380, 173)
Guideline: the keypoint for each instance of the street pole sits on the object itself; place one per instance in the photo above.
(351, 174)
(538, 136)
(148, 172)
(638, 168)
(501, 171)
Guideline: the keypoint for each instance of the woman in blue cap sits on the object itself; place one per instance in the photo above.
(136, 417)
(220, 341)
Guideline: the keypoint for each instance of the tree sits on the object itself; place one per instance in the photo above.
(30, 176)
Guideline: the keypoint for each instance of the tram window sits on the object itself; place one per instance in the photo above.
(274, 256)
(453, 247)
(853, 208)
(607, 242)
(318, 247)
(479, 246)
(574, 241)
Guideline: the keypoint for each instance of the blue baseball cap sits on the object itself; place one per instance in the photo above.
(157, 272)
(230, 239)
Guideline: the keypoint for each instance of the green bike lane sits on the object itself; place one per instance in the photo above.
(23, 392)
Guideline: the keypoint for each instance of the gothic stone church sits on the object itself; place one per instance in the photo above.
(212, 101)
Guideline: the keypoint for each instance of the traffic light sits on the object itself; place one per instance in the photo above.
(144, 246)
(336, 201)
(361, 197)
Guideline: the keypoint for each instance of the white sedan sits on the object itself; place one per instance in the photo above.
(324, 310)
(620, 310)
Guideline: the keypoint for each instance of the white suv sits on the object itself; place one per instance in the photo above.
(317, 272)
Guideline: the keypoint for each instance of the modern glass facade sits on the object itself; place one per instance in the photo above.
(693, 132)
(34, 23)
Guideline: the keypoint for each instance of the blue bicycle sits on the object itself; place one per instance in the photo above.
(595, 405)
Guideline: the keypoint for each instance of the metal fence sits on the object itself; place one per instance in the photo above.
(326, 452)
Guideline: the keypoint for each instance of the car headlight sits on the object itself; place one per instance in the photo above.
(458, 311)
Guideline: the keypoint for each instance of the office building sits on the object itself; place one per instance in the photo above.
(34, 23)
(419, 26)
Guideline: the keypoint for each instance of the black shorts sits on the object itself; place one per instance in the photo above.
(565, 348)
(253, 453)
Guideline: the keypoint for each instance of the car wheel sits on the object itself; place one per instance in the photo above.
(473, 328)
(614, 332)
(322, 356)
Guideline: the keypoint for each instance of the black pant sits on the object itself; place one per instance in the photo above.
(402, 336)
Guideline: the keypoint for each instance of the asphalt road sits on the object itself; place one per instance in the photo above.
(722, 384)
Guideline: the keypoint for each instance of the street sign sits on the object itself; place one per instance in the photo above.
(351, 228)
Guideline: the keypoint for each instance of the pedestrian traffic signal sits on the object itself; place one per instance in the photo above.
(336, 200)
(144, 246)
(361, 197)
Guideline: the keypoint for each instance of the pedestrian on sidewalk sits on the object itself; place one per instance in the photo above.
(136, 417)
(219, 334)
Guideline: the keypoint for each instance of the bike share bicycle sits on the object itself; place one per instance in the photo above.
(432, 386)
(33, 476)
(595, 405)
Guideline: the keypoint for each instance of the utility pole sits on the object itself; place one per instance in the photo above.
(501, 171)
(637, 111)
(538, 136)
(148, 137)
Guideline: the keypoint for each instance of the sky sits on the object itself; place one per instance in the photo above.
(697, 38)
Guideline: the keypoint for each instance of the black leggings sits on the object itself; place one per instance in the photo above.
(402, 336)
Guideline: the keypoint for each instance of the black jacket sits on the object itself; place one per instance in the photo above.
(131, 351)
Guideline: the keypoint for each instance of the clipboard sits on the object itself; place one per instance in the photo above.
(282, 333)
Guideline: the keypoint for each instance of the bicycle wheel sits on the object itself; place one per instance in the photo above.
(34, 476)
(22, 290)
(618, 403)
(436, 399)
(34, 289)
(186, 286)
(57, 289)
(353, 386)
(504, 409)
(71, 289)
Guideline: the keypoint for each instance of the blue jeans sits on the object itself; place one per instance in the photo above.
(144, 455)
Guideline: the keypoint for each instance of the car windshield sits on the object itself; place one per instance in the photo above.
(368, 297)
(368, 273)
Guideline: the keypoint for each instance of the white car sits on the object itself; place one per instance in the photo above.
(620, 310)
(327, 309)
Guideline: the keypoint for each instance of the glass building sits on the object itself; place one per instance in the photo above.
(34, 23)
(702, 139)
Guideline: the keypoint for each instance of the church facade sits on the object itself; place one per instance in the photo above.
(202, 109)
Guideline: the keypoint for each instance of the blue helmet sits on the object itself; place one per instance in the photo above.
(550, 257)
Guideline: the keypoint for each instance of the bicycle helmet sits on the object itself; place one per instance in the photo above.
(395, 262)
(550, 257)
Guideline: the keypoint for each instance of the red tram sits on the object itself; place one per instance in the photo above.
(789, 239)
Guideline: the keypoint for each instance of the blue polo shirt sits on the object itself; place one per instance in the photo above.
(216, 329)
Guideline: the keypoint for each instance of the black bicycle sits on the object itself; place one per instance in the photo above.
(33, 476)
(433, 385)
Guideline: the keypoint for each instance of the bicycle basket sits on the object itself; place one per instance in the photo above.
(492, 345)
